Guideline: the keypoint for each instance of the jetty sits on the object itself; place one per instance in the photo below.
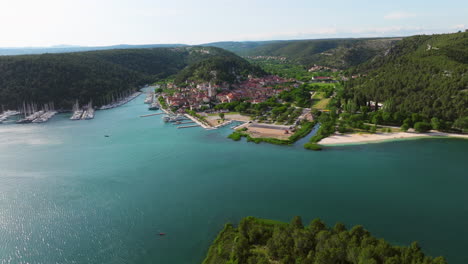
(198, 122)
(188, 126)
(181, 123)
(240, 126)
(224, 124)
(121, 101)
(152, 114)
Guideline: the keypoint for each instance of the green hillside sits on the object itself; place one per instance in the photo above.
(264, 241)
(64, 78)
(336, 53)
(223, 66)
(427, 75)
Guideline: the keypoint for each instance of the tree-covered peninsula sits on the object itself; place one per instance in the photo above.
(259, 241)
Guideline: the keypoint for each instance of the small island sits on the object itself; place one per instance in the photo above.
(260, 241)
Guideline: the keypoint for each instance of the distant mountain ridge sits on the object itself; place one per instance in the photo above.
(73, 48)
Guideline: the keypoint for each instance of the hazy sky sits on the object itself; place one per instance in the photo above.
(110, 22)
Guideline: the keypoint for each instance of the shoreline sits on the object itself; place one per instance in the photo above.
(358, 139)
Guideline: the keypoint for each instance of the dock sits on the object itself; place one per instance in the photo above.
(152, 114)
(188, 126)
(181, 123)
(197, 121)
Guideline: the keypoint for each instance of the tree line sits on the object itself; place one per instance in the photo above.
(258, 241)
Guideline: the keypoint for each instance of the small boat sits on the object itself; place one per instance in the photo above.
(149, 98)
(106, 135)
(176, 118)
(77, 115)
(162, 234)
(154, 106)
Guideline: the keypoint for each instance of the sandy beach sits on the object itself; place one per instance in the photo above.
(361, 138)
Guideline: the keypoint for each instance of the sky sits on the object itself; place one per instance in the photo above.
(36, 23)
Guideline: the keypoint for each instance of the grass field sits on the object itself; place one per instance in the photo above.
(319, 101)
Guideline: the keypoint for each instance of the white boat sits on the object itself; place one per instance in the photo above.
(166, 118)
(10, 113)
(154, 106)
(174, 118)
(88, 114)
(77, 115)
(7, 114)
(45, 117)
(149, 99)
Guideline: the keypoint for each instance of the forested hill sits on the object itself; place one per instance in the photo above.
(336, 53)
(218, 69)
(64, 78)
(421, 74)
(262, 241)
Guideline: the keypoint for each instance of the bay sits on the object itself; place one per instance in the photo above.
(68, 194)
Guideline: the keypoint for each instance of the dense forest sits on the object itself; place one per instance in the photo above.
(84, 76)
(219, 69)
(336, 53)
(258, 241)
(424, 75)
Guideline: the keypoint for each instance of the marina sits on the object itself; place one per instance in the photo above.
(33, 115)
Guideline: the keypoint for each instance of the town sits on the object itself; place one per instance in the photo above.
(201, 96)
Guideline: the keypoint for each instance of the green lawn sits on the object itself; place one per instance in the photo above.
(319, 101)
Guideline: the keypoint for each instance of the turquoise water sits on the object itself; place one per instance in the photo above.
(70, 195)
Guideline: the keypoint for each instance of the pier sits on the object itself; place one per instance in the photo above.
(198, 122)
(120, 101)
(152, 114)
(181, 123)
(188, 126)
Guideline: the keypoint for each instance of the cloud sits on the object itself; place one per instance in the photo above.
(399, 15)
(460, 26)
